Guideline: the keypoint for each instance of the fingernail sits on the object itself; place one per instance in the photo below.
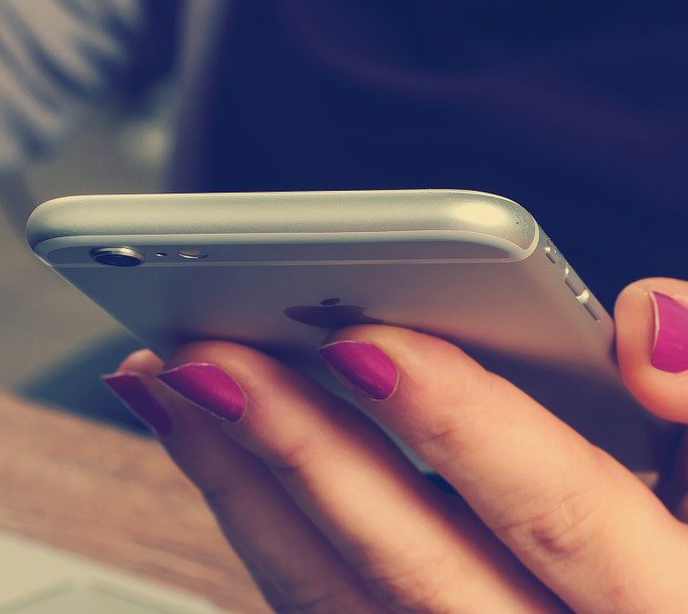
(364, 365)
(131, 390)
(208, 386)
(670, 349)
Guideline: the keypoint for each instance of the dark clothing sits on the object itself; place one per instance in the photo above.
(576, 110)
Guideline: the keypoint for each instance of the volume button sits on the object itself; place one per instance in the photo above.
(592, 311)
(573, 281)
(552, 252)
(583, 299)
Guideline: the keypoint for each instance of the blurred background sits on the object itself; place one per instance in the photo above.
(54, 339)
(87, 95)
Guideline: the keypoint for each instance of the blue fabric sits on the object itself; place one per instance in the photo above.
(577, 110)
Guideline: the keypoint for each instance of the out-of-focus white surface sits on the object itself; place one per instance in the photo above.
(35, 579)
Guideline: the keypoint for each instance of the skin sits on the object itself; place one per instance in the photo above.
(330, 518)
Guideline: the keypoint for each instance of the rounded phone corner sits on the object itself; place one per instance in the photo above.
(47, 220)
(493, 215)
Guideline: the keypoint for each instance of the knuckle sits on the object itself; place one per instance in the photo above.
(436, 438)
(563, 527)
(441, 435)
(292, 458)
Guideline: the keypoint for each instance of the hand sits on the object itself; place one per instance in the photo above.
(330, 518)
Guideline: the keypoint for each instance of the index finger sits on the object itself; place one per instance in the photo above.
(578, 519)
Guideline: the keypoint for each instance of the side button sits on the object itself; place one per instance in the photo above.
(583, 300)
(552, 252)
(573, 281)
(583, 297)
(592, 311)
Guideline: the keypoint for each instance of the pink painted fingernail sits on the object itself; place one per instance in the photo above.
(131, 390)
(364, 365)
(208, 386)
(670, 349)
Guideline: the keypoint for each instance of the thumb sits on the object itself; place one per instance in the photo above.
(651, 317)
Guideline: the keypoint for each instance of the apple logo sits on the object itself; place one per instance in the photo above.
(330, 314)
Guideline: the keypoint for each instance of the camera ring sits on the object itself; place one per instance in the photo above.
(118, 256)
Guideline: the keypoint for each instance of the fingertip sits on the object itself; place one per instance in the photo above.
(142, 361)
(218, 352)
(636, 315)
(354, 332)
(634, 323)
(135, 393)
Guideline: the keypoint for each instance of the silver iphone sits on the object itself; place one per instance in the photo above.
(277, 271)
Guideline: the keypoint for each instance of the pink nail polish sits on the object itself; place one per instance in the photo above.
(208, 386)
(364, 365)
(130, 389)
(670, 349)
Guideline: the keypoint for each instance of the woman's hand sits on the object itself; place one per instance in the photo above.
(330, 518)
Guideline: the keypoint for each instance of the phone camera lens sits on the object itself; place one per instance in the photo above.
(117, 256)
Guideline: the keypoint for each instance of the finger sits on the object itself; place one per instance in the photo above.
(141, 361)
(585, 525)
(294, 565)
(652, 348)
(652, 344)
(132, 388)
(393, 527)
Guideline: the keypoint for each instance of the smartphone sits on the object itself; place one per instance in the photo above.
(278, 271)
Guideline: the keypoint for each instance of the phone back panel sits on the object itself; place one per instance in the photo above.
(518, 311)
